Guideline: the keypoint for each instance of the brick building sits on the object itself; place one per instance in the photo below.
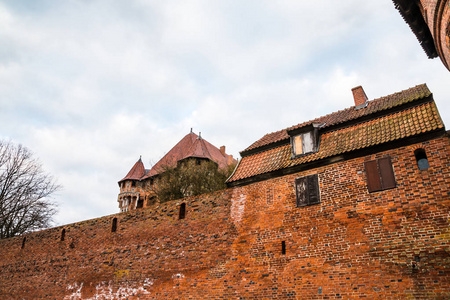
(137, 188)
(351, 205)
(430, 22)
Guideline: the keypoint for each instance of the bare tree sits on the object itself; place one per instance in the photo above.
(24, 192)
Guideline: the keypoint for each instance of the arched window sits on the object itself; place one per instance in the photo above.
(421, 159)
(114, 225)
(140, 203)
(63, 234)
(182, 214)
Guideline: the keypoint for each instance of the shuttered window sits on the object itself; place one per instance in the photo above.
(307, 190)
(380, 175)
(303, 143)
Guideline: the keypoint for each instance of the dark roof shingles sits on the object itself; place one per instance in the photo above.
(348, 114)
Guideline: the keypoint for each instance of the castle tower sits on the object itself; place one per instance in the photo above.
(131, 188)
(137, 188)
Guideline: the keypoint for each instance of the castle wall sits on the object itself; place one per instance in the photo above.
(437, 15)
(391, 244)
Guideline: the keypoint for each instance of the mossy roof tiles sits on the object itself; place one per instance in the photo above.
(400, 124)
(349, 114)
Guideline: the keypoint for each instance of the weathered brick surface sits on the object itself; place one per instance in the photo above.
(391, 244)
(434, 10)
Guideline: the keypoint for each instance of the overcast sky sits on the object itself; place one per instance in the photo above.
(89, 86)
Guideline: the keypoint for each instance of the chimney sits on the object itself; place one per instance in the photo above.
(360, 97)
(222, 150)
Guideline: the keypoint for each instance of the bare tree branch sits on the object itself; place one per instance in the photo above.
(24, 192)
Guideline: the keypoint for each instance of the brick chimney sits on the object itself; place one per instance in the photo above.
(222, 150)
(360, 96)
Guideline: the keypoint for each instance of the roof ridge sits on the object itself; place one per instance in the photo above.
(419, 91)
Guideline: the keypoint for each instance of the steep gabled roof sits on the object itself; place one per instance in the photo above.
(136, 172)
(348, 114)
(384, 120)
(190, 146)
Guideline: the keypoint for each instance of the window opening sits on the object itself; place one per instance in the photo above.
(421, 159)
(283, 247)
(140, 203)
(114, 225)
(63, 234)
(182, 214)
(307, 190)
(303, 143)
(23, 242)
(133, 183)
(379, 174)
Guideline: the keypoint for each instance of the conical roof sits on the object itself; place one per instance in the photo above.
(136, 172)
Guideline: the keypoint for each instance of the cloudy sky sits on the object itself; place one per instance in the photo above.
(89, 86)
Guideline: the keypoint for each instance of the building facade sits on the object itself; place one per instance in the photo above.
(351, 205)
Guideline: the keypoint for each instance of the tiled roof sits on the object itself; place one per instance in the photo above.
(397, 125)
(190, 146)
(136, 172)
(412, 15)
(349, 114)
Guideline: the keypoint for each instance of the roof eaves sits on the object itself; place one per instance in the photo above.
(412, 15)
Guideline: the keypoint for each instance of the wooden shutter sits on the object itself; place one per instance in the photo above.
(386, 173)
(298, 148)
(373, 177)
(308, 143)
(380, 175)
(313, 189)
(300, 191)
(307, 190)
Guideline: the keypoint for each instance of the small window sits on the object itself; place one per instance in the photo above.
(133, 183)
(307, 190)
(421, 159)
(303, 143)
(114, 225)
(63, 234)
(380, 175)
(283, 247)
(182, 213)
(140, 203)
(23, 242)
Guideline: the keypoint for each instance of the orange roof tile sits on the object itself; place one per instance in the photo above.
(349, 114)
(396, 125)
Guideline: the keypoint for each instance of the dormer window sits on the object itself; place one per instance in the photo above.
(305, 140)
(303, 143)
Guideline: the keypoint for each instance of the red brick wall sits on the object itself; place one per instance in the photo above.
(392, 244)
(440, 34)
